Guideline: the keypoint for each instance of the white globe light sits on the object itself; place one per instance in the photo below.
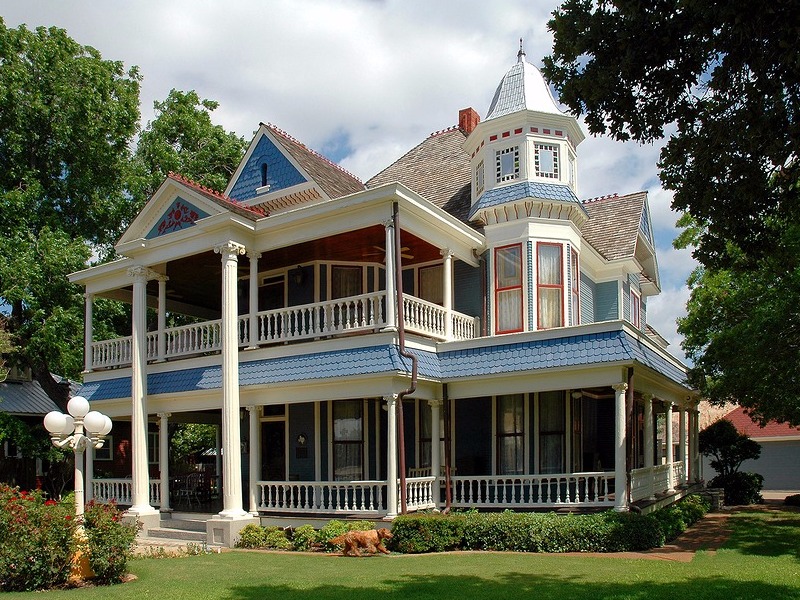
(106, 426)
(55, 422)
(78, 406)
(94, 422)
(69, 425)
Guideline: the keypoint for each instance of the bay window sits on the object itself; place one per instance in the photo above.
(508, 288)
(549, 285)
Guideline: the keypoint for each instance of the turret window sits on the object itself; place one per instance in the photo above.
(550, 285)
(508, 288)
(479, 178)
(507, 162)
(546, 160)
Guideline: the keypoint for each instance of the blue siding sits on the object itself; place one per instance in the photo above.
(606, 307)
(281, 173)
(588, 293)
(301, 421)
(489, 262)
(467, 289)
(643, 321)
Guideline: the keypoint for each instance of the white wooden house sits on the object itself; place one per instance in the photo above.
(313, 296)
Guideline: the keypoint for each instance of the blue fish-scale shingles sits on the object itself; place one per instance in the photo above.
(522, 190)
(281, 173)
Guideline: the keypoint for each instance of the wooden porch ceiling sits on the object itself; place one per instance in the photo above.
(197, 278)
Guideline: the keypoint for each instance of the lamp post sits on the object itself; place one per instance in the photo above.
(68, 430)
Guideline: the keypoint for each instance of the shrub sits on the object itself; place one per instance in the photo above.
(793, 500)
(740, 487)
(256, 536)
(334, 528)
(37, 540)
(304, 538)
(416, 534)
(110, 541)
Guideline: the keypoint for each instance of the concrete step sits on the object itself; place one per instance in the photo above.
(186, 524)
(171, 533)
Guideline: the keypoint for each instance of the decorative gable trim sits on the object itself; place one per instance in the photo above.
(181, 214)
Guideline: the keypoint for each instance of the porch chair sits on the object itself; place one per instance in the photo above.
(190, 491)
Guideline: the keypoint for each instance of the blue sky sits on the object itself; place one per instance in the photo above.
(361, 81)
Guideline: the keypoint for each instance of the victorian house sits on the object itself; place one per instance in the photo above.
(461, 330)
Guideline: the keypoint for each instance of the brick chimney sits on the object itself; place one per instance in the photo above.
(468, 120)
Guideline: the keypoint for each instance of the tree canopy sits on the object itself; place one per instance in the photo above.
(183, 139)
(722, 82)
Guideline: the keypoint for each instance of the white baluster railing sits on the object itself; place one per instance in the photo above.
(111, 353)
(465, 327)
(419, 493)
(121, 491)
(197, 338)
(509, 491)
(424, 317)
(649, 481)
(322, 496)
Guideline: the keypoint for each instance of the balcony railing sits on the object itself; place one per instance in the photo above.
(509, 491)
(343, 316)
(649, 481)
(121, 491)
(347, 497)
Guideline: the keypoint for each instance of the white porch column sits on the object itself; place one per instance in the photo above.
(252, 330)
(436, 458)
(648, 430)
(162, 318)
(163, 458)
(447, 292)
(391, 455)
(694, 471)
(255, 457)
(89, 471)
(231, 438)
(682, 441)
(218, 452)
(391, 291)
(88, 331)
(670, 451)
(620, 472)
(140, 480)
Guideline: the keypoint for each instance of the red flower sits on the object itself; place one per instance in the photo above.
(50, 503)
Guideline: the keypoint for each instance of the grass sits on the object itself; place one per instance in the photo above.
(760, 561)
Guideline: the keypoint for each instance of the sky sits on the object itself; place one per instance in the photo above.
(360, 81)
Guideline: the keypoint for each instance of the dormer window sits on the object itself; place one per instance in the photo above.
(546, 160)
(479, 179)
(507, 162)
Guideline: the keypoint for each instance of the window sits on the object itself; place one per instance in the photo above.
(552, 417)
(507, 163)
(510, 434)
(636, 309)
(479, 179)
(107, 451)
(345, 282)
(152, 447)
(263, 174)
(575, 289)
(348, 440)
(571, 167)
(425, 435)
(549, 285)
(546, 160)
(431, 284)
(508, 286)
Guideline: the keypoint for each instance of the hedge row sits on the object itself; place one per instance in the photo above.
(537, 532)
(303, 539)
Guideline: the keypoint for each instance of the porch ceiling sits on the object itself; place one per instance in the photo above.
(196, 279)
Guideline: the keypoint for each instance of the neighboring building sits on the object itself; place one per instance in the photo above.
(780, 452)
(539, 381)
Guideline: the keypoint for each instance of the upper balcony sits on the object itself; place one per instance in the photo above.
(361, 314)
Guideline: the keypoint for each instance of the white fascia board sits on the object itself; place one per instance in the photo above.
(295, 189)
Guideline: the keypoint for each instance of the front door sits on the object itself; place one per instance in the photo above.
(273, 451)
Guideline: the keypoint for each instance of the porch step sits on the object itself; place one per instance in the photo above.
(172, 533)
(185, 524)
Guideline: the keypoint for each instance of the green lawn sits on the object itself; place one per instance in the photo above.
(761, 560)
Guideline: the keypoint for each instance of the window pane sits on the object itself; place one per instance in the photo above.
(549, 264)
(345, 281)
(509, 266)
(546, 161)
(509, 310)
(549, 308)
(510, 410)
(347, 424)
(347, 462)
(552, 415)
(347, 440)
(510, 449)
(431, 284)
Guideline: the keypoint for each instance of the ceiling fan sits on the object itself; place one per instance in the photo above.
(379, 251)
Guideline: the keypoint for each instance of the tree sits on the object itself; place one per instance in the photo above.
(183, 139)
(722, 81)
(729, 449)
(67, 118)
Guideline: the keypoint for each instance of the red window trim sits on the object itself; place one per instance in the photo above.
(498, 289)
(549, 285)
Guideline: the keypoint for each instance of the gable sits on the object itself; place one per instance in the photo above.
(181, 214)
(281, 173)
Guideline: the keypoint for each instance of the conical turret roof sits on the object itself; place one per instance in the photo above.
(522, 88)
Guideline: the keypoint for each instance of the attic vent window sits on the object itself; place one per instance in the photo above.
(479, 182)
(507, 162)
(546, 161)
(264, 185)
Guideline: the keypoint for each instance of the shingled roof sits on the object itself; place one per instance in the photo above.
(333, 179)
(250, 212)
(744, 424)
(613, 224)
(437, 169)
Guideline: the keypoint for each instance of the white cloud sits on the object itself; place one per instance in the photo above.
(382, 75)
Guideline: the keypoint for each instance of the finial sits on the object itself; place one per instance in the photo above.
(521, 53)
